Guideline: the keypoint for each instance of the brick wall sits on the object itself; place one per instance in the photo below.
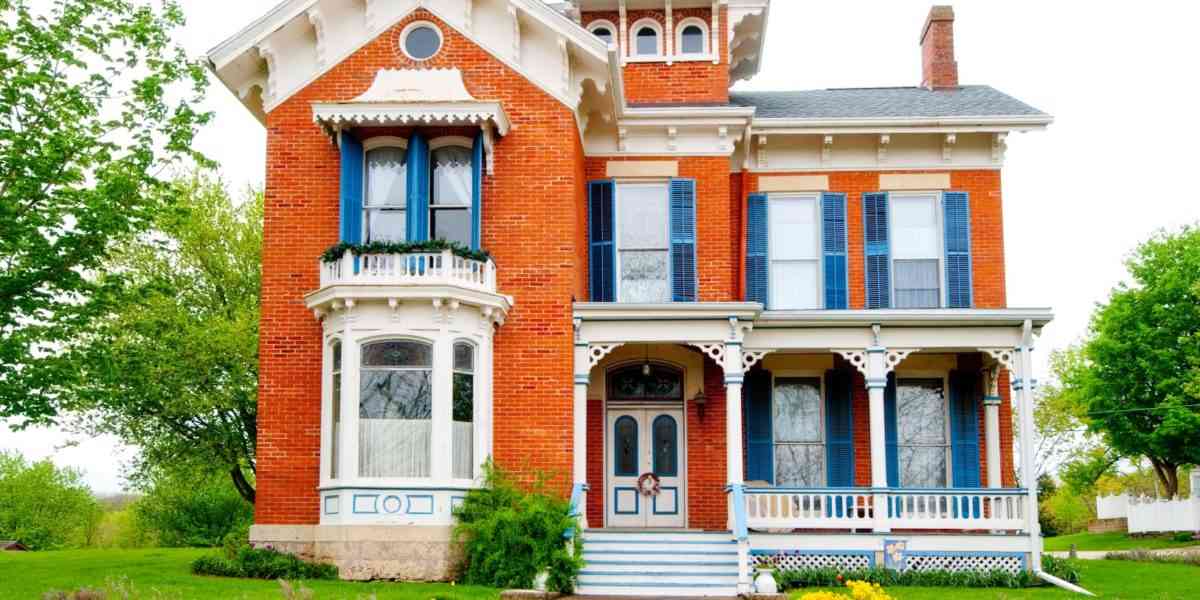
(987, 229)
(716, 252)
(695, 82)
(707, 505)
(532, 224)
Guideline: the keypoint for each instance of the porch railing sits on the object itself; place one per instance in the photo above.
(424, 269)
(851, 508)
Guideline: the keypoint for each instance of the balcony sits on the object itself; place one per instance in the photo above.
(444, 278)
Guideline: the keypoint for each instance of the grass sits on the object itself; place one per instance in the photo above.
(1108, 579)
(166, 574)
(1112, 541)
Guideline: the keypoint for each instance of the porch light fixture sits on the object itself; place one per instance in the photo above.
(700, 400)
(646, 365)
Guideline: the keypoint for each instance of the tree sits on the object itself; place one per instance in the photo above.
(170, 365)
(96, 101)
(43, 506)
(191, 509)
(1137, 370)
(1059, 417)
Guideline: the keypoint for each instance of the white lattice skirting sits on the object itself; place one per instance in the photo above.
(792, 561)
(960, 562)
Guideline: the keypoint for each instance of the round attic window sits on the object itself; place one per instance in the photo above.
(421, 41)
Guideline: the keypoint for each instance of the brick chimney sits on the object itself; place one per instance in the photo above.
(939, 70)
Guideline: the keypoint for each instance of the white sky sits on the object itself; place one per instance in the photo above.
(1120, 78)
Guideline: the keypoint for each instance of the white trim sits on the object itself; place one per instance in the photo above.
(403, 40)
(634, 55)
(450, 140)
(384, 141)
(355, 114)
(1000, 123)
(706, 43)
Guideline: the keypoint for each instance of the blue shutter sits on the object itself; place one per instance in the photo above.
(477, 193)
(833, 247)
(964, 428)
(418, 189)
(839, 429)
(351, 189)
(956, 209)
(602, 252)
(757, 281)
(878, 250)
(760, 440)
(683, 240)
(890, 437)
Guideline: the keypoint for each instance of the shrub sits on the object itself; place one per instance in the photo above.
(188, 509)
(1183, 537)
(261, 563)
(511, 535)
(1061, 568)
(43, 506)
(832, 577)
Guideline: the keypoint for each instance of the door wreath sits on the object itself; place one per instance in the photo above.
(649, 484)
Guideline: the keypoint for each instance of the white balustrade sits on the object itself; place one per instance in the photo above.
(420, 269)
(955, 510)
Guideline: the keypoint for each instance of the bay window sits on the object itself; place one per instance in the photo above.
(916, 251)
(335, 410)
(386, 194)
(799, 433)
(643, 243)
(795, 252)
(395, 409)
(922, 433)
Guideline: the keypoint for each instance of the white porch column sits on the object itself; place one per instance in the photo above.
(734, 461)
(991, 420)
(351, 365)
(876, 379)
(583, 369)
(1024, 386)
(442, 421)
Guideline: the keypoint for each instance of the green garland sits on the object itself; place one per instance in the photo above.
(337, 251)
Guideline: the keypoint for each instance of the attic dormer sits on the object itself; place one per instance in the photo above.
(679, 51)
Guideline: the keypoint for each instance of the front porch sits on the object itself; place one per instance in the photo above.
(848, 438)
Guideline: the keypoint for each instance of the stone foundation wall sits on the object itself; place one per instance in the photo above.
(369, 552)
(1108, 525)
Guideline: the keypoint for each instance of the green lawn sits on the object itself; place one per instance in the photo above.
(1112, 541)
(165, 574)
(1110, 579)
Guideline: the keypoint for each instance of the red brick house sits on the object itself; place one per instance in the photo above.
(736, 326)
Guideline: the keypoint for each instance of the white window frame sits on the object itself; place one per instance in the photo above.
(927, 374)
(660, 54)
(612, 28)
(617, 185)
(824, 443)
(375, 143)
(818, 198)
(403, 39)
(939, 228)
(706, 49)
(435, 364)
(443, 142)
(476, 414)
(328, 458)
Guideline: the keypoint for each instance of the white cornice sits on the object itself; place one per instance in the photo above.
(998, 317)
(672, 311)
(776, 126)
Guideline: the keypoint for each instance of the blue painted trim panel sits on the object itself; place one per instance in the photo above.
(637, 501)
(374, 504)
(674, 510)
(408, 505)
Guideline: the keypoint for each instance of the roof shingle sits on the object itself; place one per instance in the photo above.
(883, 103)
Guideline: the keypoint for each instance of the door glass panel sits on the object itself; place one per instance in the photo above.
(625, 444)
(666, 444)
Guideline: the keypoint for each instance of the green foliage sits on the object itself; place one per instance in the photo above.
(97, 103)
(192, 510)
(832, 577)
(1114, 540)
(511, 535)
(337, 251)
(43, 506)
(1137, 370)
(1183, 536)
(1062, 568)
(120, 528)
(1157, 557)
(261, 563)
(171, 364)
(1067, 511)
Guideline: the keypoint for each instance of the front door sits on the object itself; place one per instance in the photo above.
(645, 467)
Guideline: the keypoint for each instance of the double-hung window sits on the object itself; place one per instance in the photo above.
(386, 194)
(643, 243)
(450, 209)
(922, 433)
(799, 433)
(795, 252)
(916, 251)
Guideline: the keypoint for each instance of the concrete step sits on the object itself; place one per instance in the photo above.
(660, 590)
(663, 566)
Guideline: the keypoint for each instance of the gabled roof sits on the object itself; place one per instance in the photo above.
(965, 102)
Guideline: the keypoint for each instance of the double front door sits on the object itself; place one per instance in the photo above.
(645, 463)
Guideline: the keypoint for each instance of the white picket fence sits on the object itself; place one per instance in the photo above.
(1153, 515)
(1112, 507)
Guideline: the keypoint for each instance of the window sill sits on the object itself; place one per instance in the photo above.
(659, 58)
